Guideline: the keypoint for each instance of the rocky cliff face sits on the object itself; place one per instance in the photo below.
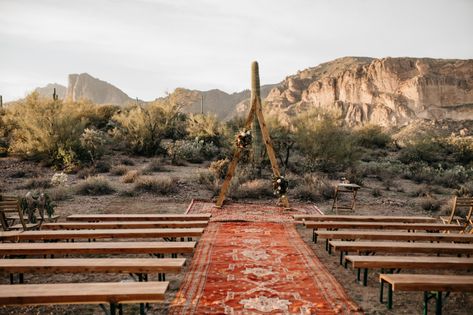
(83, 86)
(388, 91)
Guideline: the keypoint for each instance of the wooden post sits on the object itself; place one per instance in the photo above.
(256, 114)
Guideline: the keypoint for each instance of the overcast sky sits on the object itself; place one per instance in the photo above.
(148, 47)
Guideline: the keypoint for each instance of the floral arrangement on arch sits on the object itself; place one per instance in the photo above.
(280, 186)
(243, 139)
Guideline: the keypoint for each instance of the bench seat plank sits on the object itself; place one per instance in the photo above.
(394, 236)
(94, 234)
(95, 248)
(123, 225)
(410, 262)
(423, 282)
(88, 293)
(402, 247)
(383, 225)
(89, 265)
(364, 218)
(139, 217)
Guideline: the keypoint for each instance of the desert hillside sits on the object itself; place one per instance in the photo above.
(388, 91)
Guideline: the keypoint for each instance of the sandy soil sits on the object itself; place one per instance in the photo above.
(396, 201)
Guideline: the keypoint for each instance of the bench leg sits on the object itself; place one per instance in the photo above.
(390, 296)
(426, 302)
(120, 309)
(358, 275)
(365, 277)
(381, 291)
(161, 276)
(314, 236)
(438, 304)
(113, 308)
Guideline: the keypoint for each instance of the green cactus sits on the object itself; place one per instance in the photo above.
(257, 144)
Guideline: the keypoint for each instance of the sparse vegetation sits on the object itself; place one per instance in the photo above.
(95, 186)
(118, 170)
(130, 176)
(162, 185)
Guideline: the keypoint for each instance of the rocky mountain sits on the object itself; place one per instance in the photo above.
(84, 86)
(225, 106)
(48, 90)
(388, 91)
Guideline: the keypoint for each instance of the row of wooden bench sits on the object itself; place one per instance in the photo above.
(389, 241)
(113, 293)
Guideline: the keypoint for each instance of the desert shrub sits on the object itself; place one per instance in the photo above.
(313, 188)
(142, 128)
(60, 193)
(93, 141)
(208, 180)
(430, 204)
(37, 183)
(102, 114)
(185, 150)
(253, 189)
(376, 192)
(118, 170)
(162, 185)
(18, 174)
(85, 172)
(354, 176)
(219, 168)
(461, 149)
(372, 136)
(95, 186)
(327, 146)
(206, 128)
(127, 162)
(127, 193)
(130, 176)
(156, 165)
(47, 129)
(102, 166)
(465, 190)
(428, 150)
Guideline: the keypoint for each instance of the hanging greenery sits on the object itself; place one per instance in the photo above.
(280, 185)
(243, 139)
(39, 201)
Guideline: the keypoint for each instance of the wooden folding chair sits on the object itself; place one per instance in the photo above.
(11, 204)
(458, 204)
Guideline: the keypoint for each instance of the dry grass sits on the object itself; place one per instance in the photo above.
(253, 189)
(130, 177)
(119, 170)
(161, 185)
(37, 183)
(95, 186)
(313, 188)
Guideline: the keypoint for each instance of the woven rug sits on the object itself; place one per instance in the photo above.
(251, 260)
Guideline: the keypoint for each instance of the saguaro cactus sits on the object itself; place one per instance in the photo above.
(55, 96)
(1, 101)
(256, 129)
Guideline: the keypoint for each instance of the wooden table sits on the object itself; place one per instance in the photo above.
(138, 217)
(122, 225)
(97, 234)
(345, 188)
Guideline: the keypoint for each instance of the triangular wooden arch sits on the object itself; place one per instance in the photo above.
(255, 109)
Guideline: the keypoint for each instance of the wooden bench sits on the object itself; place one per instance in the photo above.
(112, 293)
(380, 226)
(87, 248)
(405, 262)
(392, 236)
(426, 284)
(98, 234)
(363, 218)
(139, 266)
(122, 225)
(138, 217)
(400, 247)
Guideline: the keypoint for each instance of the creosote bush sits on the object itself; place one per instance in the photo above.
(313, 188)
(95, 186)
(37, 183)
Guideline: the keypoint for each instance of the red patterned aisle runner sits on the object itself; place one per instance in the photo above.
(257, 268)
